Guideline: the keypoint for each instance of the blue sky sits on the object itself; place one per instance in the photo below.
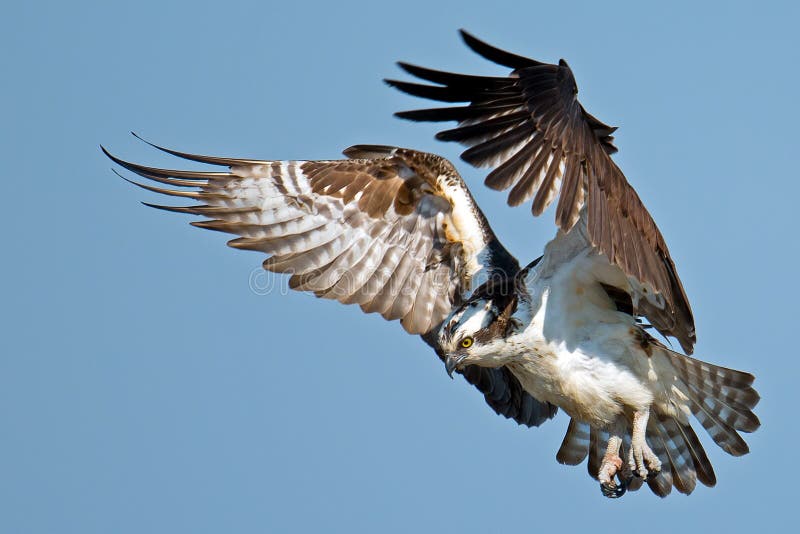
(145, 387)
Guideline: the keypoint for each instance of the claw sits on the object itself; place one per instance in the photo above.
(613, 490)
(643, 463)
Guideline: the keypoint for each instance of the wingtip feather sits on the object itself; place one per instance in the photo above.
(492, 53)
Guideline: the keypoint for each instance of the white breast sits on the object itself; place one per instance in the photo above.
(576, 352)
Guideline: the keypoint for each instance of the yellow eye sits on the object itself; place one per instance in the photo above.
(467, 342)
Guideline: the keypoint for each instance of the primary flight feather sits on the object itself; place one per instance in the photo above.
(397, 232)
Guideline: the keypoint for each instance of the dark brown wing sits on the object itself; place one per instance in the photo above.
(531, 128)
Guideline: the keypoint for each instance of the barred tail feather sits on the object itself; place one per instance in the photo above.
(575, 446)
(702, 465)
(723, 435)
(677, 454)
(721, 399)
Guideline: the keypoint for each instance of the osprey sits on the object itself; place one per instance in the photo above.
(397, 232)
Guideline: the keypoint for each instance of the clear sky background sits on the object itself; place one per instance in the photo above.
(145, 387)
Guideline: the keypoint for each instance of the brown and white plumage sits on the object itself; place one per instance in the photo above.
(579, 345)
(531, 127)
(397, 232)
(630, 398)
(723, 415)
(358, 230)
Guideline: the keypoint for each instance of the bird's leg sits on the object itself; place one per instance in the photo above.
(641, 457)
(610, 467)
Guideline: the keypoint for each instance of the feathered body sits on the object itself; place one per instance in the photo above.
(398, 233)
(569, 345)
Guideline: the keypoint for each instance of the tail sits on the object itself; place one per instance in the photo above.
(721, 399)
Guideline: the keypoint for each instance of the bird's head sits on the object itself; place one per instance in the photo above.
(475, 333)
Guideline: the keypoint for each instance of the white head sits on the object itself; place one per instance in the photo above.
(475, 333)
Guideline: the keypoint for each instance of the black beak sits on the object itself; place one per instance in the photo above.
(452, 362)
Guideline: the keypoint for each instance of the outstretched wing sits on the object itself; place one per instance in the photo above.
(531, 127)
(393, 230)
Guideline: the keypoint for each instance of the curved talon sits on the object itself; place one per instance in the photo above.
(614, 491)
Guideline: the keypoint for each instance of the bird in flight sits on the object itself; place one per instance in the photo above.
(397, 232)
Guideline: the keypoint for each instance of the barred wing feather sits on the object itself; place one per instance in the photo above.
(379, 230)
(392, 230)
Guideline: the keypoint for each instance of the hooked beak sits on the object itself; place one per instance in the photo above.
(452, 362)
